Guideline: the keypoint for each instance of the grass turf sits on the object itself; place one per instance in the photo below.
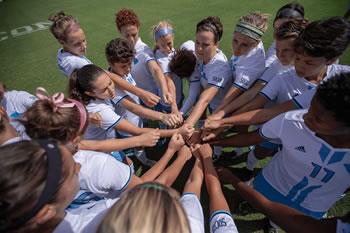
(29, 60)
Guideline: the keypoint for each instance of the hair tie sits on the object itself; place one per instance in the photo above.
(59, 101)
(249, 30)
(163, 32)
(152, 186)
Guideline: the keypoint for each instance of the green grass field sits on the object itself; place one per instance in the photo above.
(28, 59)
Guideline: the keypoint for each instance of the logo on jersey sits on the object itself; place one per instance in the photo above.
(300, 148)
(217, 79)
(218, 223)
(135, 61)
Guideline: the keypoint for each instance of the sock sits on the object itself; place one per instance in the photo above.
(251, 160)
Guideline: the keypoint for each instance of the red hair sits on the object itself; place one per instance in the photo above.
(126, 17)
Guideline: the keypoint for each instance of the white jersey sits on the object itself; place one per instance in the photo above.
(221, 221)
(304, 100)
(194, 212)
(140, 70)
(163, 61)
(276, 68)
(285, 86)
(271, 54)
(246, 69)
(307, 174)
(102, 174)
(86, 218)
(68, 62)
(109, 119)
(122, 111)
(15, 104)
(342, 227)
(215, 73)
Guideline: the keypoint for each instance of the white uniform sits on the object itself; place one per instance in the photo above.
(68, 62)
(285, 86)
(215, 73)
(222, 222)
(139, 68)
(343, 227)
(308, 174)
(194, 212)
(271, 54)
(86, 218)
(163, 61)
(276, 68)
(102, 174)
(109, 119)
(15, 104)
(246, 69)
(188, 45)
(304, 100)
(122, 111)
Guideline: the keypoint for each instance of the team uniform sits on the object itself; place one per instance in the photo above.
(109, 119)
(285, 86)
(304, 100)
(194, 212)
(222, 222)
(163, 61)
(15, 104)
(68, 62)
(343, 227)
(139, 69)
(86, 218)
(246, 69)
(307, 174)
(215, 73)
(122, 111)
(275, 68)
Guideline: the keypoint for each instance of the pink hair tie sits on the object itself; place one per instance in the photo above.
(59, 101)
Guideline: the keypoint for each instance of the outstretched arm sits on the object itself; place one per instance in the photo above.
(195, 180)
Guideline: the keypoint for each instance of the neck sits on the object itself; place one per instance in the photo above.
(318, 77)
(8, 133)
(338, 141)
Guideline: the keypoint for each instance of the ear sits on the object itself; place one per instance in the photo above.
(46, 213)
(61, 42)
(331, 61)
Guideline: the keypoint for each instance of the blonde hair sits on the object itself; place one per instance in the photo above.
(257, 19)
(160, 25)
(148, 207)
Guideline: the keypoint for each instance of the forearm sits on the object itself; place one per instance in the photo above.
(225, 105)
(197, 111)
(195, 180)
(171, 173)
(110, 145)
(194, 90)
(240, 140)
(141, 111)
(157, 169)
(125, 85)
(172, 90)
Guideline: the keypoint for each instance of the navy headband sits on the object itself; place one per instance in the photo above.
(288, 13)
(54, 166)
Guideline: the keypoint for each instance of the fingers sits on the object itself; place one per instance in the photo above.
(150, 99)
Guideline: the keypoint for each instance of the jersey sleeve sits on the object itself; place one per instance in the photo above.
(109, 118)
(102, 174)
(69, 64)
(148, 54)
(194, 92)
(27, 99)
(271, 89)
(219, 74)
(303, 100)
(272, 130)
(193, 211)
(246, 74)
(164, 64)
(120, 95)
(269, 73)
(222, 222)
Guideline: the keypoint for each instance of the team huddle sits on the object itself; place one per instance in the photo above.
(67, 161)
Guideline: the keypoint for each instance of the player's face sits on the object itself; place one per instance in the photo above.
(285, 51)
(166, 43)
(75, 43)
(242, 44)
(103, 88)
(322, 121)
(131, 33)
(307, 66)
(121, 69)
(205, 46)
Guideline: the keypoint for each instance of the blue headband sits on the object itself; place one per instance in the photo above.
(163, 32)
